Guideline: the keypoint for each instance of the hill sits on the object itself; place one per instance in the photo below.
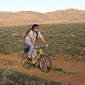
(68, 15)
(29, 17)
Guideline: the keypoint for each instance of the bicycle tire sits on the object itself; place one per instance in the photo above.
(43, 63)
(25, 64)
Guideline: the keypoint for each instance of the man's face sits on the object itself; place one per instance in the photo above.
(36, 29)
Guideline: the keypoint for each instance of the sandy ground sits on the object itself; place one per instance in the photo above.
(74, 70)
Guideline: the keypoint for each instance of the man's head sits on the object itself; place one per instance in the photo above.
(35, 27)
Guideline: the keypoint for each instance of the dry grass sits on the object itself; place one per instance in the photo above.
(66, 39)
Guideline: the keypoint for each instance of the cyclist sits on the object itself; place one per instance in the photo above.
(32, 36)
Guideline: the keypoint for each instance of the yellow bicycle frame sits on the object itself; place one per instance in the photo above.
(40, 51)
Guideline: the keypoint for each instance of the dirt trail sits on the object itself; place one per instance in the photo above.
(74, 70)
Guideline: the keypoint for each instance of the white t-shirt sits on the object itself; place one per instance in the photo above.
(29, 36)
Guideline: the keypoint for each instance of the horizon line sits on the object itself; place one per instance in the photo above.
(42, 12)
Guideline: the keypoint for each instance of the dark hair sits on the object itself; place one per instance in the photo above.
(32, 28)
(34, 25)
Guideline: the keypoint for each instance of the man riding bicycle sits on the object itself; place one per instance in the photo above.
(32, 36)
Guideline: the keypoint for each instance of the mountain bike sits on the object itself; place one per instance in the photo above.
(42, 60)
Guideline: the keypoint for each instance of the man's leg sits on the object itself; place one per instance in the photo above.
(35, 53)
(26, 50)
(31, 50)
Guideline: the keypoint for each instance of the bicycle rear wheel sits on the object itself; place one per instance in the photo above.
(45, 63)
(25, 61)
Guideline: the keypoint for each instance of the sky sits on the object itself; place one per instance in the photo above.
(40, 5)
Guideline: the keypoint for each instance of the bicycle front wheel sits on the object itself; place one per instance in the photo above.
(45, 63)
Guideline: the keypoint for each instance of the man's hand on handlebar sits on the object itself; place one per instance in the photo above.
(46, 45)
(35, 46)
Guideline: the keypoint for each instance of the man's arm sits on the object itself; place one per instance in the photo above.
(43, 39)
(33, 42)
(32, 37)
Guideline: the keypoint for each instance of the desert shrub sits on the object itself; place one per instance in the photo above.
(10, 77)
(68, 39)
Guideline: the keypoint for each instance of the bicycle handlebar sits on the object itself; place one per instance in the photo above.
(42, 47)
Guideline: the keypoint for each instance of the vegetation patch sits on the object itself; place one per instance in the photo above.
(68, 39)
(58, 69)
(9, 77)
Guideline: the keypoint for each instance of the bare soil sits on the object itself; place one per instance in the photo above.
(73, 70)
